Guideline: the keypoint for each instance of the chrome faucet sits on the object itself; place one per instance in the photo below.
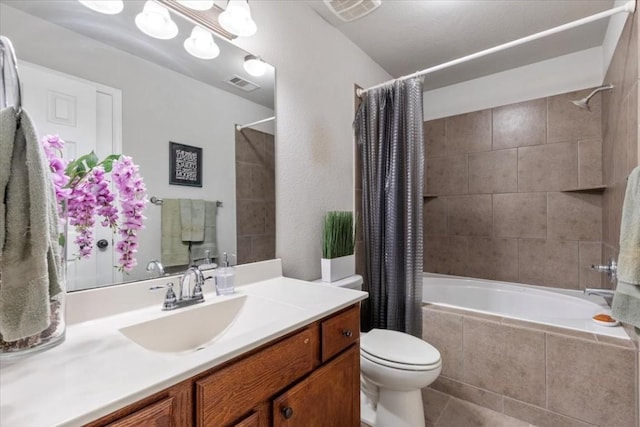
(610, 269)
(187, 295)
(155, 265)
(607, 294)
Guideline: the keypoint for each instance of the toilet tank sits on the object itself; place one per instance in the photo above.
(351, 282)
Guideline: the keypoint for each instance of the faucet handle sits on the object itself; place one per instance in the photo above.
(197, 289)
(609, 269)
(170, 300)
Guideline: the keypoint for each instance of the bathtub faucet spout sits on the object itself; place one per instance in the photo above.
(607, 294)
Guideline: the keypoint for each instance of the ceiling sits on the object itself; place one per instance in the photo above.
(120, 32)
(405, 36)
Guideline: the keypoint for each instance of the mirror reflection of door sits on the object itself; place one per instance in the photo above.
(86, 115)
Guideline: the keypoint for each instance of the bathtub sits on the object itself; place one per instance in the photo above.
(563, 308)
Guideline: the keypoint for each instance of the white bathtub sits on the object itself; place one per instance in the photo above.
(555, 307)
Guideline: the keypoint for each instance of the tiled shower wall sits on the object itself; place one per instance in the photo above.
(255, 196)
(510, 193)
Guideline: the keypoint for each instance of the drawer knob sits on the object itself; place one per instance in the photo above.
(347, 333)
(287, 412)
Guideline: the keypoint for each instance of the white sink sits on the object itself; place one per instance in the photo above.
(187, 329)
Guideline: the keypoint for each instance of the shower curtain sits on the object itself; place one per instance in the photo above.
(388, 127)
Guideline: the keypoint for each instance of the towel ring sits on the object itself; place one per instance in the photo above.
(8, 54)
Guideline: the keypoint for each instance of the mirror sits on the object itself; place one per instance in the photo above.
(143, 94)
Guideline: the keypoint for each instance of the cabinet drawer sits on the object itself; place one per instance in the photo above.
(157, 414)
(340, 331)
(224, 396)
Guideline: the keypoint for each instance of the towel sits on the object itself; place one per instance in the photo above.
(209, 242)
(626, 301)
(192, 220)
(30, 262)
(174, 251)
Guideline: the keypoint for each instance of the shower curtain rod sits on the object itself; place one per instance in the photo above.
(240, 127)
(628, 7)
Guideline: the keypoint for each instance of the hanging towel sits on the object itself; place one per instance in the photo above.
(30, 259)
(192, 220)
(209, 242)
(174, 251)
(626, 301)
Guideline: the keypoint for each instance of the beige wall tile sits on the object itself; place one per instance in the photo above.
(594, 383)
(493, 171)
(505, 360)
(520, 215)
(447, 174)
(519, 125)
(469, 132)
(551, 167)
(566, 122)
(493, 258)
(244, 250)
(444, 332)
(446, 255)
(435, 138)
(549, 262)
(243, 180)
(590, 254)
(250, 146)
(433, 403)
(539, 416)
(469, 393)
(435, 216)
(469, 215)
(574, 216)
(459, 413)
(251, 217)
(590, 163)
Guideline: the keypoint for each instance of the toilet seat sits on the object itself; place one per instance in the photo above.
(398, 350)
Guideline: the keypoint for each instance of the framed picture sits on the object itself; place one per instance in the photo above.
(185, 165)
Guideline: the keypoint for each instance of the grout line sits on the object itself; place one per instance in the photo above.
(446, 405)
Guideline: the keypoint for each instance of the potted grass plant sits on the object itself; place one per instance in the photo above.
(338, 244)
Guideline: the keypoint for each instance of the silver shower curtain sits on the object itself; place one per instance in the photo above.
(389, 132)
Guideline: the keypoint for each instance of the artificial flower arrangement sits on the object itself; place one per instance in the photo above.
(83, 192)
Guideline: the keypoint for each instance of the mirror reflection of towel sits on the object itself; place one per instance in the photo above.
(174, 251)
(209, 241)
(192, 220)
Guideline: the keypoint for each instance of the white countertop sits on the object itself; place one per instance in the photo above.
(97, 370)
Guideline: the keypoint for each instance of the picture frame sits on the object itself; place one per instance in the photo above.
(185, 165)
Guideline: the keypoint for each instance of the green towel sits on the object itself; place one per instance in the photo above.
(30, 258)
(626, 301)
(174, 251)
(210, 239)
(192, 220)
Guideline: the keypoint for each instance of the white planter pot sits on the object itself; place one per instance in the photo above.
(335, 269)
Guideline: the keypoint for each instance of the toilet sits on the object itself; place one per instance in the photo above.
(394, 366)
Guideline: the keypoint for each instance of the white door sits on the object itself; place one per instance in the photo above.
(83, 116)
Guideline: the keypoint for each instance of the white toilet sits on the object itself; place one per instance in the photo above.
(394, 366)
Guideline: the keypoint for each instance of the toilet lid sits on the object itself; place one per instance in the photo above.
(398, 349)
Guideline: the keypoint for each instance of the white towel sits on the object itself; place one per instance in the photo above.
(626, 301)
(30, 258)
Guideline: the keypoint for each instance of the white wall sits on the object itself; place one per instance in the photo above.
(316, 70)
(159, 105)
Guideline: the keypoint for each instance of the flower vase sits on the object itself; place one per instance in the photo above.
(338, 268)
(54, 334)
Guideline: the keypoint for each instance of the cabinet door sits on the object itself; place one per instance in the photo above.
(158, 414)
(329, 397)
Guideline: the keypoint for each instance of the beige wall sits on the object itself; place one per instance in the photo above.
(497, 205)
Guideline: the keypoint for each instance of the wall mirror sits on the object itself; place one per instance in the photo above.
(124, 91)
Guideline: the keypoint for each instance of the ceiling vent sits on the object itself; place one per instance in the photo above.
(244, 84)
(350, 10)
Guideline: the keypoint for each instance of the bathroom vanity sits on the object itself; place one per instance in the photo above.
(290, 357)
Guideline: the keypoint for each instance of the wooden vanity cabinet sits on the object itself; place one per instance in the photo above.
(309, 378)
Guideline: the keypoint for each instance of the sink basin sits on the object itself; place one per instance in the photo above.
(186, 329)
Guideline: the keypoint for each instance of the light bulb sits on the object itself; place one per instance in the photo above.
(254, 65)
(109, 7)
(201, 44)
(197, 4)
(237, 19)
(154, 21)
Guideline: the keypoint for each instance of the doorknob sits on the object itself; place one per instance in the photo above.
(102, 243)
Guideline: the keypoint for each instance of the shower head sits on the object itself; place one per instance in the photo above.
(584, 102)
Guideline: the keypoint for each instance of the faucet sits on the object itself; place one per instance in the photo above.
(607, 294)
(156, 265)
(187, 295)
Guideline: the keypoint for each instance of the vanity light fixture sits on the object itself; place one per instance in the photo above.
(201, 44)
(237, 18)
(154, 21)
(109, 7)
(197, 4)
(254, 65)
